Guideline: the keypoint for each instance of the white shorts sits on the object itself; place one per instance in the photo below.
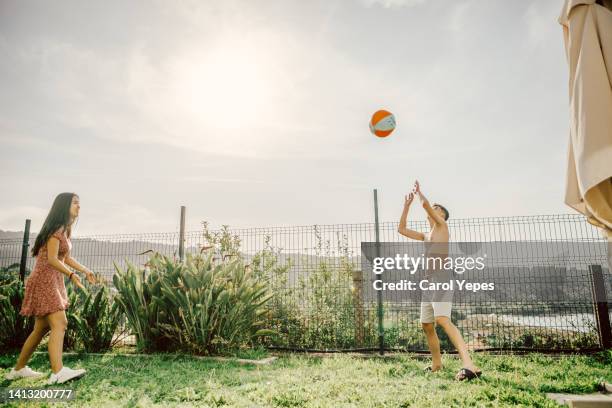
(431, 310)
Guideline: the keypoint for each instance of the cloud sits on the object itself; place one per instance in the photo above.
(13, 218)
(261, 96)
(274, 98)
(122, 218)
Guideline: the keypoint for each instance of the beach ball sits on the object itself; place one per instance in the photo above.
(382, 123)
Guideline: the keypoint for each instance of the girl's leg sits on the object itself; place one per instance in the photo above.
(58, 323)
(40, 329)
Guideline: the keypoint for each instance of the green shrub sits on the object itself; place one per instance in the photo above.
(14, 328)
(216, 307)
(9, 273)
(319, 311)
(543, 339)
(93, 319)
(283, 316)
(71, 335)
(506, 335)
(195, 306)
(139, 298)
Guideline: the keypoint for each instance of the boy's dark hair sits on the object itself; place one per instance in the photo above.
(446, 213)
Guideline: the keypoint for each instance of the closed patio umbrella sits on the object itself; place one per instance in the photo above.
(587, 32)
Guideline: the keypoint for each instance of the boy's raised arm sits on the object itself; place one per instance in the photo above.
(428, 208)
(402, 224)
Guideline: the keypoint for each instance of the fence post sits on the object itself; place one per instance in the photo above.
(182, 235)
(600, 304)
(381, 329)
(358, 307)
(24, 250)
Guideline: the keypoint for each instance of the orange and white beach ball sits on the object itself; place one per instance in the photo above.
(382, 123)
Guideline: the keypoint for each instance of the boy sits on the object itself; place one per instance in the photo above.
(432, 311)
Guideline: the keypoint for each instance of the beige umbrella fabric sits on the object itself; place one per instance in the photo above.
(587, 32)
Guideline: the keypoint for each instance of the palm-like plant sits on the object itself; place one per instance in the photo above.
(14, 328)
(138, 296)
(195, 306)
(94, 319)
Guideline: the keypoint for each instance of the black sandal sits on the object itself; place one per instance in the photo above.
(430, 370)
(467, 374)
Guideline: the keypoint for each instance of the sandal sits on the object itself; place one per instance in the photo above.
(467, 374)
(430, 370)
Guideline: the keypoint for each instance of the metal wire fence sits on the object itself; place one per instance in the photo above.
(319, 299)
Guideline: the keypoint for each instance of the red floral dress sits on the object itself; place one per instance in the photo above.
(45, 291)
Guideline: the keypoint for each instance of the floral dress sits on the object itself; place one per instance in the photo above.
(45, 291)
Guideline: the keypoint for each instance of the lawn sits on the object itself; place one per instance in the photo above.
(335, 381)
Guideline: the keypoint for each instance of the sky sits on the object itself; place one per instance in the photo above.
(255, 113)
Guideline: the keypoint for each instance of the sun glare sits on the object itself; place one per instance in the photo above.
(226, 89)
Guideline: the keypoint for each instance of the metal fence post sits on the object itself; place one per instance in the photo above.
(600, 304)
(182, 235)
(24, 250)
(358, 307)
(381, 329)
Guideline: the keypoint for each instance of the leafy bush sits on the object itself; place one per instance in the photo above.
(328, 306)
(14, 328)
(93, 319)
(9, 273)
(213, 308)
(544, 339)
(283, 316)
(318, 310)
(71, 335)
(195, 306)
(139, 298)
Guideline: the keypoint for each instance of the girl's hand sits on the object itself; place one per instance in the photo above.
(91, 278)
(77, 281)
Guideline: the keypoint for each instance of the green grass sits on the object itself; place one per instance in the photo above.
(337, 381)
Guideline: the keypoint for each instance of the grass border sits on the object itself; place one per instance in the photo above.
(245, 361)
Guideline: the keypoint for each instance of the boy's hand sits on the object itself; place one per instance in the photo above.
(409, 198)
(417, 187)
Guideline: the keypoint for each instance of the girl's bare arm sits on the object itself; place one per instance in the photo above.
(70, 261)
(52, 251)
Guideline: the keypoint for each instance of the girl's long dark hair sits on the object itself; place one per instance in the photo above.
(59, 217)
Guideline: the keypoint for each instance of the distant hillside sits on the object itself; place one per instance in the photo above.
(100, 255)
(6, 235)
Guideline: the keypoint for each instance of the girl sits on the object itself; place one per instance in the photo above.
(45, 295)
